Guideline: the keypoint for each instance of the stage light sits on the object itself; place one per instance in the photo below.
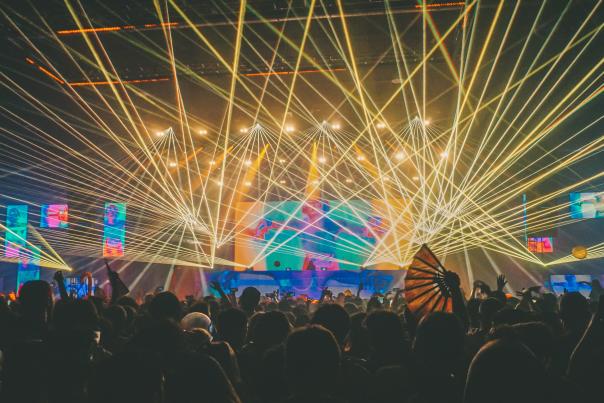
(282, 182)
(219, 182)
(248, 162)
(212, 162)
(203, 132)
(315, 182)
(336, 126)
(400, 155)
(386, 178)
(172, 164)
(322, 160)
(281, 161)
(247, 183)
(360, 158)
(427, 122)
(381, 125)
(160, 134)
(243, 130)
(444, 154)
(289, 129)
(348, 180)
(415, 178)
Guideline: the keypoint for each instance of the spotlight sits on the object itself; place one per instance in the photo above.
(203, 132)
(282, 182)
(243, 130)
(248, 163)
(212, 162)
(160, 134)
(218, 182)
(427, 122)
(172, 164)
(289, 129)
(444, 154)
(247, 183)
(348, 180)
(415, 178)
(281, 161)
(322, 160)
(315, 182)
(381, 125)
(386, 178)
(400, 155)
(360, 158)
(336, 126)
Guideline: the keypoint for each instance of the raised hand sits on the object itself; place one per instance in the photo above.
(452, 280)
(501, 282)
(58, 277)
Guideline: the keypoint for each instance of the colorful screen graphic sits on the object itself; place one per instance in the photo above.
(561, 283)
(114, 230)
(28, 268)
(316, 235)
(587, 205)
(541, 244)
(54, 216)
(77, 287)
(16, 233)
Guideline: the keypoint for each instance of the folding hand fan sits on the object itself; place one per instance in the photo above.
(425, 287)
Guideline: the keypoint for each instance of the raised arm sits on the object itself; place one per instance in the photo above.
(58, 277)
(459, 304)
(118, 288)
(215, 285)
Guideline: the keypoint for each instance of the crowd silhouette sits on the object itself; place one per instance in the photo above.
(270, 349)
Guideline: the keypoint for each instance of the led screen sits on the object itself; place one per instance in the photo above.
(114, 229)
(317, 235)
(561, 283)
(16, 230)
(54, 216)
(541, 244)
(28, 268)
(587, 205)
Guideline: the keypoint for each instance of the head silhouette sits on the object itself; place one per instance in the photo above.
(36, 299)
(232, 327)
(439, 342)
(574, 311)
(195, 320)
(334, 318)
(271, 329)
(487, 310)
(312, 361)
(75, 314)
(249, 299)
(385, 331)
(165, 306)
(505, 363)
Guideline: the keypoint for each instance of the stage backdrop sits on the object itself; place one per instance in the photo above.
(321, 235)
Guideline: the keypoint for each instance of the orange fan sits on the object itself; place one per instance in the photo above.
(425, 287)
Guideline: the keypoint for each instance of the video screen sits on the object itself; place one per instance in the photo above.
(587, 205)
(582, 283)
(77, 287)
(114, 229)
(541, 244)
(28, 268)
(54, 216)
(321, 235)
(16, 233)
